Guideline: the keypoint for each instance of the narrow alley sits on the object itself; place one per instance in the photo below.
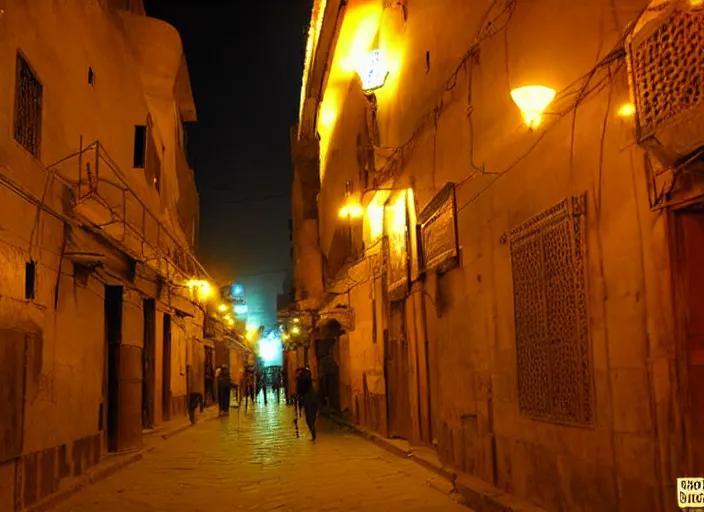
(254, 461)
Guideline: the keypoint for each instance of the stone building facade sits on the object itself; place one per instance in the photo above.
(100, 319)
(523, 300)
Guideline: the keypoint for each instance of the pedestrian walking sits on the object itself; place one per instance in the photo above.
(224, 386)
(304, 382)
(310, 409)
(306, 398)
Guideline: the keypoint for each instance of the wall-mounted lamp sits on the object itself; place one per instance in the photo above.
(201, 288)
(532, 100)
(373, 71)
(352, 211)
(626, 110)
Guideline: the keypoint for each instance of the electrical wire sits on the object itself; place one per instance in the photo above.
(486, 31)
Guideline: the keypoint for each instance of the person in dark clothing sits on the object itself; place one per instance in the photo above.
(310, 409)
(304, 382)
(306, 398)
(224, 386)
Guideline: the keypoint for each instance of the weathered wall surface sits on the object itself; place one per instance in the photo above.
(505, 175)
(57, 391)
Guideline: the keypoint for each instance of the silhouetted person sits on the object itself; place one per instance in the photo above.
(307, 399)
(224, 386)
(304, 382)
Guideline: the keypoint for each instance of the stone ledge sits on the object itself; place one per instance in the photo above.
(477, 494)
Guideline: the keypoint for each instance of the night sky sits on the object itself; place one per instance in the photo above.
(245, 61)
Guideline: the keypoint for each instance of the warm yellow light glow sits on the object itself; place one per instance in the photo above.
(296, 320)
(375, 215)
(230, 322)
(285, 336)
(332, 99)
(532, 100)
(627, 110)
(356, 37)
(316, 23)
(696, 3)
(362, 25)
(202, 289)
(328, 115)
(249, 335)
(222, 308)
(372, 71)
(397, 211)
(352, 211)
(295, 330)
(227, 317)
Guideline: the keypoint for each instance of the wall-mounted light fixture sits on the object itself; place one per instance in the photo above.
(351, 210)
(532, 100)
(373, 71)
(202, 289)
(626, 110)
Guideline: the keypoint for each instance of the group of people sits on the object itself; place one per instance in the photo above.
(256, 379)
(305, 398)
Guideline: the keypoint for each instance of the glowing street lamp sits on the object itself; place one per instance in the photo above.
(373, 71)
(295, 330)
(222, 308)
(202, 289)
(351, 211)
(532, 100)
(627, 110)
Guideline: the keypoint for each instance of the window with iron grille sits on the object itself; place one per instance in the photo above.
(28, 107)
(553, 350)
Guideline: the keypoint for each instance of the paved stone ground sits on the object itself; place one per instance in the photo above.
(254, 461)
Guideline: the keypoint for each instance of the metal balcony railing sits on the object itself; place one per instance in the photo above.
(105, 197)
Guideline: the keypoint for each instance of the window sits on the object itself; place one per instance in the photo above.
(30, 269)
(140, 146)
(553, 351)
(28, 107)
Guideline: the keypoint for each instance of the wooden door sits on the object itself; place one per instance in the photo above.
(397, 374)
(689, 273)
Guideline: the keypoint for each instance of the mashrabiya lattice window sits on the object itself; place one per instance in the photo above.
(552, 338)
(28, 107)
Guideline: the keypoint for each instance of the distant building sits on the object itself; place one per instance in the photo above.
(99, 328)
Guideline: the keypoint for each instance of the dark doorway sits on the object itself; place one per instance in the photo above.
(166, 373)
(689, 276)
(397, 373)
(113, 336)
(329, 372)
(209, 376)
(148, 363)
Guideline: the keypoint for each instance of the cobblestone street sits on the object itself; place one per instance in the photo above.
(254, 461)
